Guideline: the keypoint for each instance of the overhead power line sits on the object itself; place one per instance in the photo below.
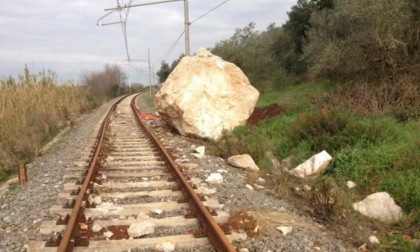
(170, 49)
(208, 12)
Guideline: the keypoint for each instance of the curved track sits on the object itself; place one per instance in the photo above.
(130, 180)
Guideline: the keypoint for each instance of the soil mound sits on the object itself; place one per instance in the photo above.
(261, 114)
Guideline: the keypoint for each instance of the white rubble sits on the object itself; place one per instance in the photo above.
(312, 168)
(165, 247)
(157, 211)
(96, 228)
(216, 178)
(285, 229)
(200, 150)
(350, 184)
(140, 228)
(380, 206)
(108, 234)
(244, 161)
(249, 187)
(205, 95)
(373, 239)
(142, 216)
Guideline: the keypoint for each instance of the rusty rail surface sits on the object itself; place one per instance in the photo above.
(215, 234)
(67, 241)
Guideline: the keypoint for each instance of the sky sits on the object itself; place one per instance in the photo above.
(63, 35)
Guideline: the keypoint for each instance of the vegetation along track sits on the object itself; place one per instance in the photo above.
(129, 179)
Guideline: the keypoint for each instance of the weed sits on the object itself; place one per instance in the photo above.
(13, 186)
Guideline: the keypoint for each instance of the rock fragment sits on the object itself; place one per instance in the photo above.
(244, 161)
(312, 168)
(216, 178)
(285, 229)
(165, 247)
(140, 228)
(380, 206)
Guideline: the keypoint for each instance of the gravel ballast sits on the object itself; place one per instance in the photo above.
(25, 207)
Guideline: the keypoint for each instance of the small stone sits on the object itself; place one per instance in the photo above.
(96, 228)
(157, 211)
(285, 229)
(83, 226)
(243, 250)
(96, 199)
(108, 234)
(261, 180)
(140, 228)
(36, 221)
(122, 217)
(165, 247)
(104, 176)
(216, 178)
(4, 206)
(200, 150)
(350, 184)
(373, 239)
(244, 161)
(307, 188)
(249, 187)
(142, 216)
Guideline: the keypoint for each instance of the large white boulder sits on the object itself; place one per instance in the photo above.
(205, 95)
(380, 206)
(312, 168)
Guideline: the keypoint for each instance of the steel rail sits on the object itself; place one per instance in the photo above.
(215, 234)
(66, 243)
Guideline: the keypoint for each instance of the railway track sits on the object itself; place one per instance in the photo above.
(128, 194)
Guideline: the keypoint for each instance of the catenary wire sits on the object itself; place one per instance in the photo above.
(208, 12)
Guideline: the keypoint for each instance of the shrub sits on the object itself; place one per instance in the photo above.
(319, 129)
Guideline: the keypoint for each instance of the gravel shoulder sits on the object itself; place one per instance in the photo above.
(24, 207)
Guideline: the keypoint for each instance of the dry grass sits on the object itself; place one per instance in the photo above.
(382, 98)
(268, 220)
(32, 109)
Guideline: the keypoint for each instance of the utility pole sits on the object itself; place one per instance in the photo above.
(150, 74)
(187, 28)
(186, 18)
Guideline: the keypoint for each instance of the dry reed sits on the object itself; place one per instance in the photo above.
(32, 109)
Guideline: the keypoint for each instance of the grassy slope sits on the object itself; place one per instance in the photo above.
(377, 153)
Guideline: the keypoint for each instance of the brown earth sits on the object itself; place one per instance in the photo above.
(261, 114)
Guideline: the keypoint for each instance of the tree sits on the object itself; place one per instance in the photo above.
(163, 72)
(105, 84)
(362, 39)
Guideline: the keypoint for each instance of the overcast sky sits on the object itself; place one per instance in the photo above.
(62, 35)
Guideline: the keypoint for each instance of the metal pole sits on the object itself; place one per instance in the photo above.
(22, 175)
(150, 74)
(187, 29)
